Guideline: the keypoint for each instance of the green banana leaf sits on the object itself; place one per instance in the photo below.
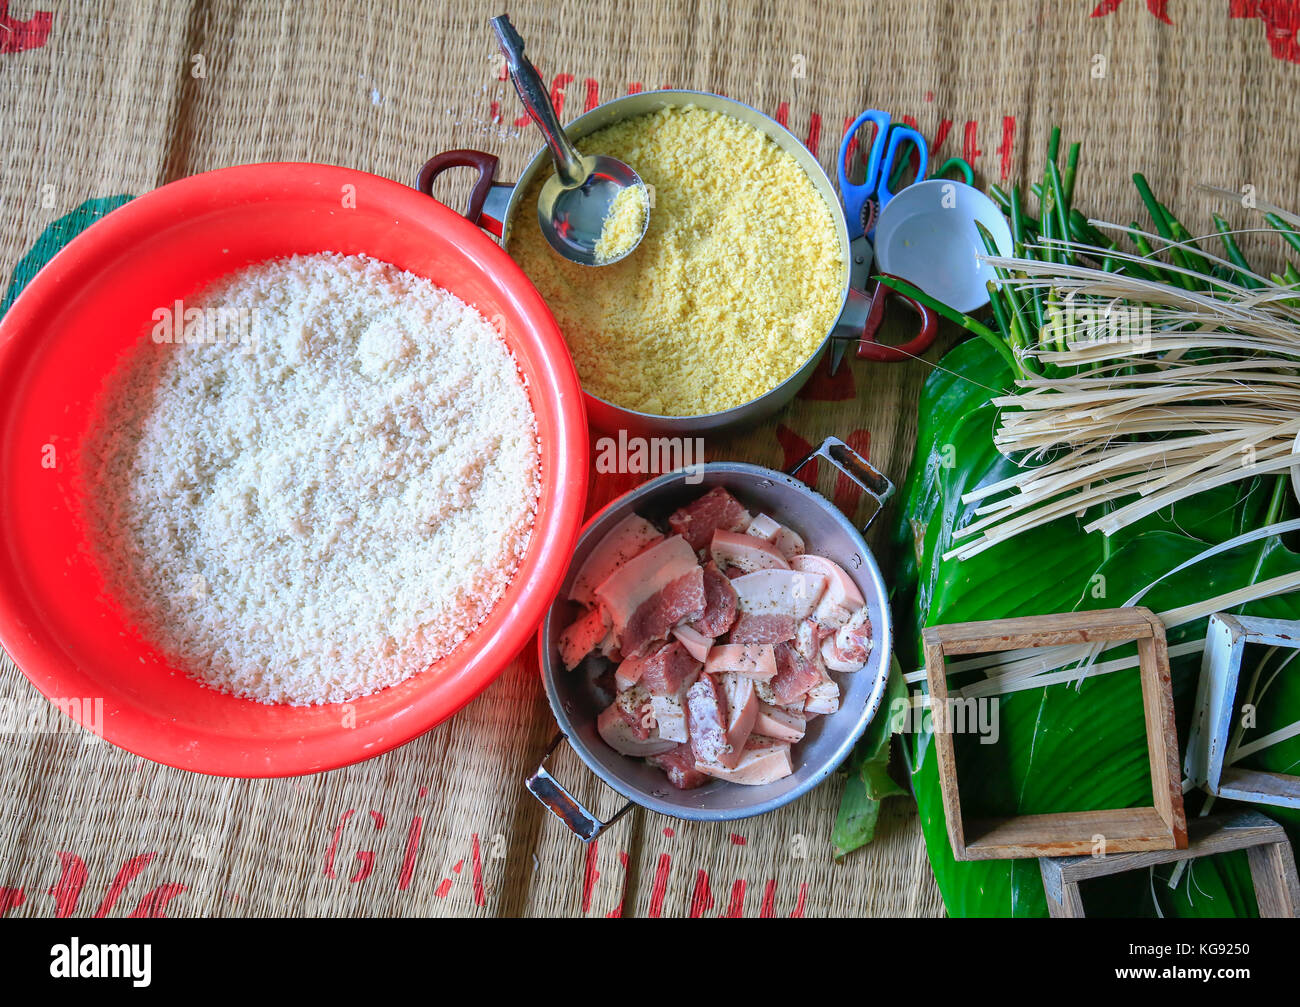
(869, 781)
(1065, 747)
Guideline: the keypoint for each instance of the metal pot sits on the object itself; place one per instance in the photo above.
(576, 699)
(493, 206)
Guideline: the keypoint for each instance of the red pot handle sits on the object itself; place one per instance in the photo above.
(487, 173)
(869, 348)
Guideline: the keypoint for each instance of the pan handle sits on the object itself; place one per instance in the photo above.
(869, 479)
(563, 805)
(488, 197)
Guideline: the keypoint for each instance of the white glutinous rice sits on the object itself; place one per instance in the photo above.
(320, 485)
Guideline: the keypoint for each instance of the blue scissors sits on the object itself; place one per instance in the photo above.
(862, 205)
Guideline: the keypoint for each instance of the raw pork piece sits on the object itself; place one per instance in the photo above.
(742, 708)
(750, 628)
(795, 675)
(681, 600)
(787, 542)
(824, 697)
(850, 646)
(609, 647)
(707, 717)
(745, 552)
(842, 597)
(679, 766)
(664, 671)
(779, 722)
(698, 520)
(764, 761)
(630, 537)
(809, 635)
(582, 636)
(628, 672)
(670, 710)
(779, 592)
(641, 577)
(756, 661)
(719, 604)
(696, 643)
(623, 726)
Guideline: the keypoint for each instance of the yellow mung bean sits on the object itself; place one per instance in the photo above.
(734, 286)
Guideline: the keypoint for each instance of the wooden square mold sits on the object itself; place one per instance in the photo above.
(1163, 826)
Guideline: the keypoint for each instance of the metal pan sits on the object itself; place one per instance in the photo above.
(493, 206)
(576, 699)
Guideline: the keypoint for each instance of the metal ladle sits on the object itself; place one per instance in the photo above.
(576, 200)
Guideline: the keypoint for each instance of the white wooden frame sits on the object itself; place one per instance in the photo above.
(1272, 864)
(1211, 733)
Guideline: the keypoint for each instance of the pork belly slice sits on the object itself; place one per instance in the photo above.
(670, 712)
(627, 539)
(696, 643)
(780, 723)
(824, 697)
(757, 661)
(698, 520)
(582, 636)
(721, 710)
(850, 646)
(664, 671)
(681, 600)
(766, 760)
(745, 552)
(842, 596)
(795, 675)
(643, 576)
(809, 635)
(628, 672)
(608, 648)
(719, 604)
(787, 541)
(706, 715)
(742, 708)
(679, 766)
(779, 592)
(624, 726)
(666, 675)
(751, 628)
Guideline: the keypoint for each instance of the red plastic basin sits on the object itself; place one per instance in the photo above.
(92, 302)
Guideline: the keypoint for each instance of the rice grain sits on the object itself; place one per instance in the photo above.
(323, 510)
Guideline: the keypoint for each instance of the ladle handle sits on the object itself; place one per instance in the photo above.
(563, 805)
(533, 93)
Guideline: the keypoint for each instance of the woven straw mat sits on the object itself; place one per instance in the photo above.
(111, 99)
